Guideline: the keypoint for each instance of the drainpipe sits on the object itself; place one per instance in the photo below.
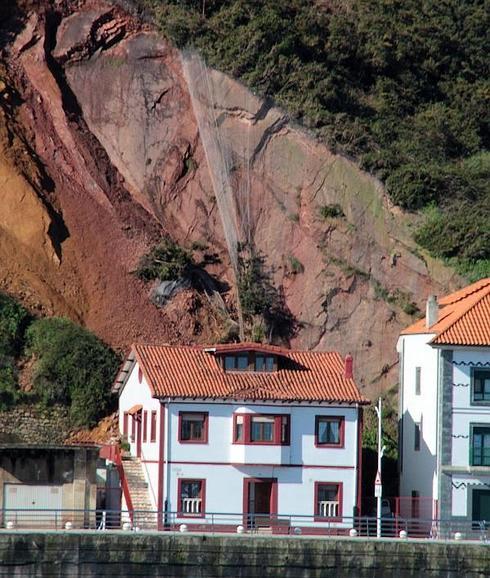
(166, 496)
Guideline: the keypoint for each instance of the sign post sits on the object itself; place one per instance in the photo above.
(378, 487)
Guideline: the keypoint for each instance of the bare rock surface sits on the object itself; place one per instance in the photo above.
(107, 112)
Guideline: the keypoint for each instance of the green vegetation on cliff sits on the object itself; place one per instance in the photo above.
(401, 85)
(71, 365)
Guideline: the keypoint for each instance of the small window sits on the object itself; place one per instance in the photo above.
(193, 427)
(480, 446)
(191, 498)
(133, 428)
(262, 429)
(236, 362)
(264, 362)
(328, 500)
(329, 431)
(153, 427)
(417, 380)
(417, 433)
(481, 386)
(145, 426)
(239, 431)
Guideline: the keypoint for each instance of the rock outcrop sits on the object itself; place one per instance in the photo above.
(102, 155)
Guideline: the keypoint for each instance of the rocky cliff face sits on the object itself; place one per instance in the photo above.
(109, 138)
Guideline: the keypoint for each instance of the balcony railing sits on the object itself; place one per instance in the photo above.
(191, 506)
(328, 509)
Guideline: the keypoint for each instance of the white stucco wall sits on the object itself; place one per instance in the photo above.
(224, 465)
(419, 471)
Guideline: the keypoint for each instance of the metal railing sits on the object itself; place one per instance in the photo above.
(293, 525)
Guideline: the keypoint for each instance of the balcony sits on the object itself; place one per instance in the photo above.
(192, 506)
(260, 454)
(328, 509)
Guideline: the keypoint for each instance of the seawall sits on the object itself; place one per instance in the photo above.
(131, 555)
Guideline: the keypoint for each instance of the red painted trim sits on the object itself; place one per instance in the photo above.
(247, 429)
(341, 420)
(340, 494)
(202, 495)
(125, 424)
(138, 433)
(133, 429)
(246, 493)
(252, 464)
(359, 460)
(204, 440)
(161, 457)
(140, 375)
(153, 427)
(145, 426)
(123, 480)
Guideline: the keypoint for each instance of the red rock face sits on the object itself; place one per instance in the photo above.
(121, 130)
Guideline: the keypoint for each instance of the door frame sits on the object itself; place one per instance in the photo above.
(246, 493)
(138, 416)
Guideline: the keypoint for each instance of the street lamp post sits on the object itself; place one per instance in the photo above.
(378, 485)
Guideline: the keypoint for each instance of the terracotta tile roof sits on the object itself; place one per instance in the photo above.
(464, 317)
(192, 371)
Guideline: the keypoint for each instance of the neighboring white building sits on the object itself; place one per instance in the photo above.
(445, 405)
(244, 429)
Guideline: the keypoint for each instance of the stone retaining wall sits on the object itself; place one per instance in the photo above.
(104, 554)
(35, 425)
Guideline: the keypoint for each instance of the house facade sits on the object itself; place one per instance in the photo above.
(243, 429)
(444, 406)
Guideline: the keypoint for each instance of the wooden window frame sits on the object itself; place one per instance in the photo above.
(153, 426)
(341, 442)
(205, 416)
(145, 426)
(202, 496)
(340, 493)
(277, 429)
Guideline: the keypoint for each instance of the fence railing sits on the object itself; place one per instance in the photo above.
(294, 525)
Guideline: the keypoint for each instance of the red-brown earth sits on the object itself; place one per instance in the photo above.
(101, 155)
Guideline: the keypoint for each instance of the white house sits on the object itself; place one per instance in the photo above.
(445, 406)
(244, 429)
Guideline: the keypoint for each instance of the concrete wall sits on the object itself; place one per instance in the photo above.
(72, 468)
(90, 555)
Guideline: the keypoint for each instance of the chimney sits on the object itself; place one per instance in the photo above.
(431, 311)
(348, 366)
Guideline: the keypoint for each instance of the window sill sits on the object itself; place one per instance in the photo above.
(191, 516)
(192, 442)
(330, 446)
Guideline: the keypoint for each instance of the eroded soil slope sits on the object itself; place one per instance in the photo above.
(101, 154)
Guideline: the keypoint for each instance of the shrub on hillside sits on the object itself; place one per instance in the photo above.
(13, 321)
(167, 262)
(73, 367)
(9, 392)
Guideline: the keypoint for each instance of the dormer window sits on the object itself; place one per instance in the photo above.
(249, 361)
(264, 362)
(236, 362)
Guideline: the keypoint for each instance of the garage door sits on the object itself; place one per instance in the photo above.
(42, 503)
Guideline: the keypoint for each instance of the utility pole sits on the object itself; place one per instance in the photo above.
(378, 485)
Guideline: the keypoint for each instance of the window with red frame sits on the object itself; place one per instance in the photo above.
(327, 498)
(133, 428)
(153, 427)
(191, 497)
(145, 426)
(193, 427)
(261, 429)
(329, 431)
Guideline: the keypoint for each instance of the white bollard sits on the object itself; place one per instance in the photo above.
(403, 534)
(183, 528)
(240, 529)
(137, 529)
(68, 526)
(353, 533)
(297, 531)
(458, 536)
(10, 525)
(126, 526)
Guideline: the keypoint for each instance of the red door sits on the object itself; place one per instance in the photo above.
(259, 501)
(138, 433)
